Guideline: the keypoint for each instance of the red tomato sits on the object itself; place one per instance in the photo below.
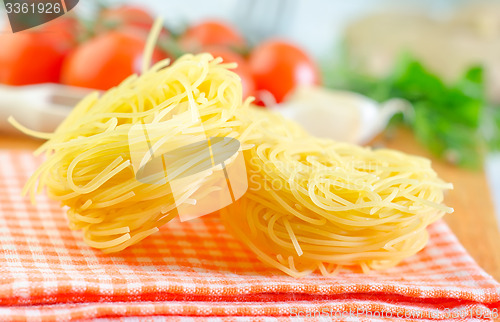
(105, 61)
(211, 33)
(126, 16)
(278, 67)
(36, 55)
(65, 29)
(243, 70)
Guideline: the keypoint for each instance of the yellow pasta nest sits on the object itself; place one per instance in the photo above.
(88, 164)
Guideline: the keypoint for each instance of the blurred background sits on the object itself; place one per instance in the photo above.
(344, 69)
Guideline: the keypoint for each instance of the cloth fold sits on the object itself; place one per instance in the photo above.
(197, 269)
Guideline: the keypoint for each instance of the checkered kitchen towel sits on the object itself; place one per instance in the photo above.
(195, 270)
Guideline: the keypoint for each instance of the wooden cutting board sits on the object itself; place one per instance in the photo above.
(473, 221)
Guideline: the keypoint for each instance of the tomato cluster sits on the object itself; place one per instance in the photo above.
(101, 57)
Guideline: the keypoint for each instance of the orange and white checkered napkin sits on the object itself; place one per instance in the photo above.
(194, 270)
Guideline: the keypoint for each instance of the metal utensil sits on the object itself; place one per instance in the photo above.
(40, 107)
